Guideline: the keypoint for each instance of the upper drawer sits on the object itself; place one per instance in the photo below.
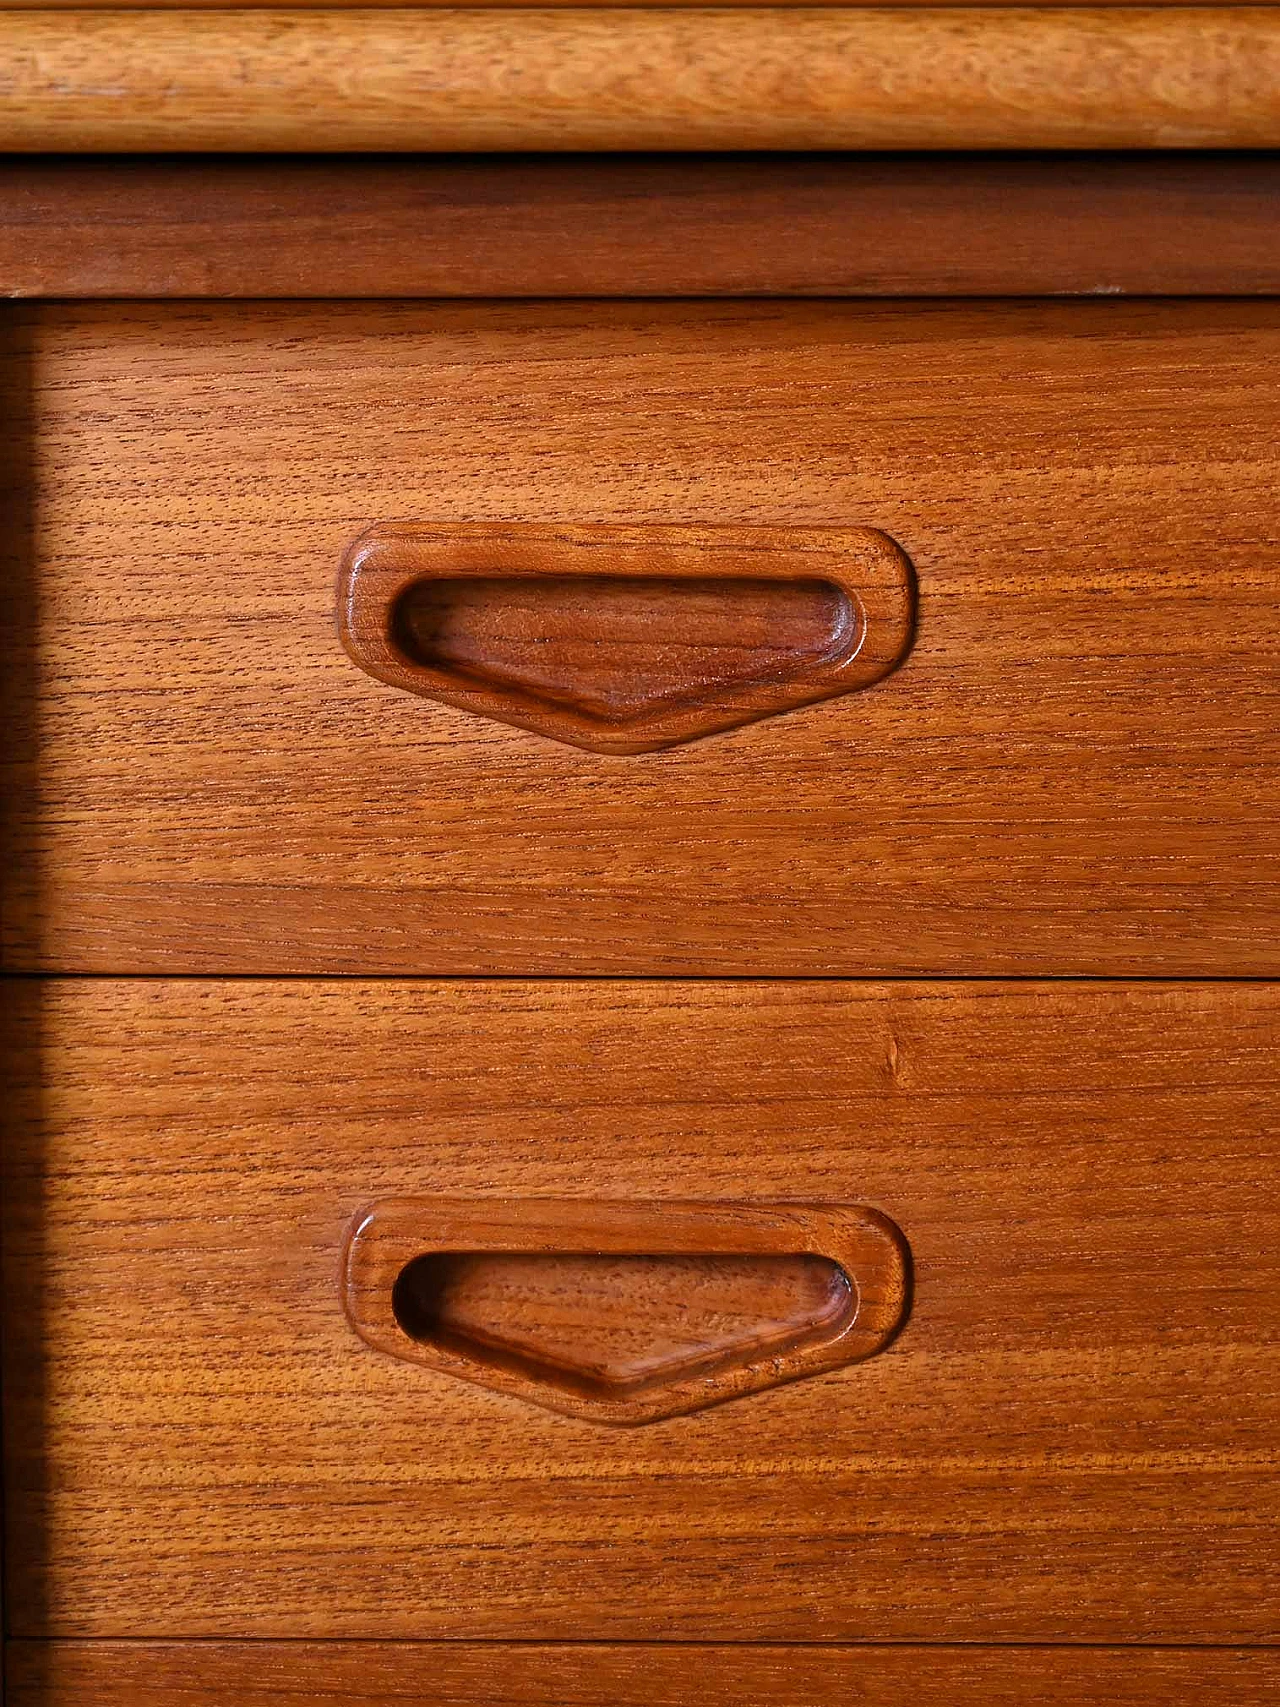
(1069, 771)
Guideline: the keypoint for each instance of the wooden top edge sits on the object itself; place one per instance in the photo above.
(580, 5)
(634, 79)
(642, 225)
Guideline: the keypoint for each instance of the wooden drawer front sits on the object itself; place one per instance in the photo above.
(1073, 1438)
(1070, 772)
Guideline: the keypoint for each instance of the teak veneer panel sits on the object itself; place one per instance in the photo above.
(795, 78)
(582, 1674)
(1166, 224)
(1074, 1438)
(1072, 772)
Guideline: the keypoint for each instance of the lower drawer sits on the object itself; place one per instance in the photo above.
(489, 1674)
(1072, 1438)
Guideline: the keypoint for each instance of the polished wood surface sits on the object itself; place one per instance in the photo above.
(624, 1313)
(1085, 1398)
(1072, 772)
(635, 226)
(579, 1674)
(1180, 77)
(625, 639)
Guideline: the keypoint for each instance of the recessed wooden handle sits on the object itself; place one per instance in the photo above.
(624, 1313)
(622, 640)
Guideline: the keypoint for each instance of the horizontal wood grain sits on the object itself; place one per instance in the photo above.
(1073, 1439)
(1183, 77)
(625, 225)
(489, 1674)
(1072, 772)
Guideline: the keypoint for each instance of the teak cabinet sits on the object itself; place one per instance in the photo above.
(639, 856)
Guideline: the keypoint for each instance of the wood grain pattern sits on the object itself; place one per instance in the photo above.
(635, 226)
(1184, 77)
(624, 1313)
(1073, 772)
(488, 1674)
(624, 639)
(1073, 1439)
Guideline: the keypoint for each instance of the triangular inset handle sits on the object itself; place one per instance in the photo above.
(623, 640)
(625, 1313)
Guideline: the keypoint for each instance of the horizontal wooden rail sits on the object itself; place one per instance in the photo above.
(640, 79)
(643, 225)
(632, 1674)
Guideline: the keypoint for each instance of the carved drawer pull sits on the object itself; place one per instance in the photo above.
(622, 640)
(625, 1313)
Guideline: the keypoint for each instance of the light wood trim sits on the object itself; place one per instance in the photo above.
(581, 1674)
(733, 79)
